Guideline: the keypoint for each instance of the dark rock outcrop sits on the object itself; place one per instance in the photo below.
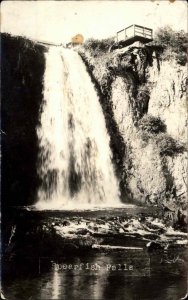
(22, 66)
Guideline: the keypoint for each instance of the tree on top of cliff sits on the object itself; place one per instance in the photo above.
(174, 43)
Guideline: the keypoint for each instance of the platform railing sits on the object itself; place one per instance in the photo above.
(135, 30)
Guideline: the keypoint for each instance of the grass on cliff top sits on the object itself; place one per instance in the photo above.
(97, 54)
(96, 46)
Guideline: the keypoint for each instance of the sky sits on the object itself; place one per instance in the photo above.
(59, 21)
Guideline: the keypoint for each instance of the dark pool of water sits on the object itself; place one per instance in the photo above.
(157, 277)
(97, 274)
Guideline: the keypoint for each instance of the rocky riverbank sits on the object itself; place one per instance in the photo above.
(38, 234)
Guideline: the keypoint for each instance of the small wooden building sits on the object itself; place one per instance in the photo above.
(135, 33)
(76, 40)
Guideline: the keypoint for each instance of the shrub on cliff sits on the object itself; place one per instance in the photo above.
(168, 145)
(151, 124)
(98, 46)
(174, 43)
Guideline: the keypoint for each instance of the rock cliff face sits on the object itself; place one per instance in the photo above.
(143, 92)
(168, 98)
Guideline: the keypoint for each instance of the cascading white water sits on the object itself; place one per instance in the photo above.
(74, 164)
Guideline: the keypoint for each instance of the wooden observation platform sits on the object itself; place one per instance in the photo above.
(135, 33)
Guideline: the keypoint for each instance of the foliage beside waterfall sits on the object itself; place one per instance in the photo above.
(151, 124)
(97, 46)
(153, 128)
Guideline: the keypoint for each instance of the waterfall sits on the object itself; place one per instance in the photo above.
(74, 163)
